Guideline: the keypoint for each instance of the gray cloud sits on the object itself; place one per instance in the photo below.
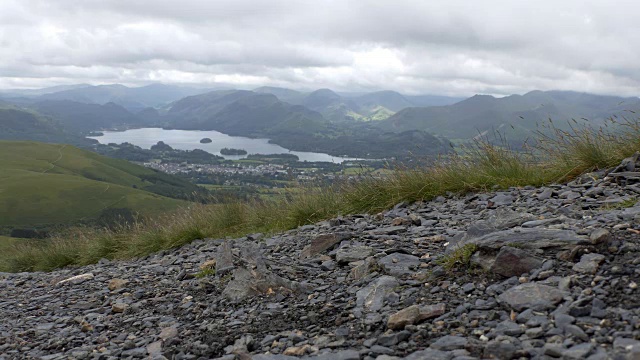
(456, 48)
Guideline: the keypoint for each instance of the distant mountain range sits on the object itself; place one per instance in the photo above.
(133, 99)
(297, 127)
(377, 124)
(21, 124)
(517, 115)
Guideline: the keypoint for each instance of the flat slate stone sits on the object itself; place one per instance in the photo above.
(514, 262)
(414, 314)
(349, 254)
(322, 243)
(390, 230)
(398, 264)
(449, 342)
(431, 354)
(589, 263)
(532, 296)
(372, 296)
(529, 239)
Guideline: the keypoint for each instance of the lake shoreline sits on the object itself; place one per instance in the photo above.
(190, 140)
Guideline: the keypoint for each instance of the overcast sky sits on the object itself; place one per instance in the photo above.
(431, 47)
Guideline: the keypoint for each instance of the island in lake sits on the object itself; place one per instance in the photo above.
(228, 151)
(205, 141)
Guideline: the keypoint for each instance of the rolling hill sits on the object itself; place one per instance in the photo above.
(131, 98)
(21, 124)
(351, 107)
(296, 127)
(80, 117)
(515, 115)
(46, 184)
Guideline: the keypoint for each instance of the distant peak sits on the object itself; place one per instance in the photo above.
(325, 93)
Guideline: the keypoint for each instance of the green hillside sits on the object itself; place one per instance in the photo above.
(45, 184)
(22, 124)
(7, 242)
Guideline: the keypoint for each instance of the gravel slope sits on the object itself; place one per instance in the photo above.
(554, 274)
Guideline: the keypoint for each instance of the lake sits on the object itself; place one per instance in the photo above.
(190, 140)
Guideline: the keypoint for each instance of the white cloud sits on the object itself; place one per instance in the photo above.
(455, 48)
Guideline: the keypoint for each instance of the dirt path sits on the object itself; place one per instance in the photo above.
(53, 164)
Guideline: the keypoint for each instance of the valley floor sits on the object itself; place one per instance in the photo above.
(525, 273)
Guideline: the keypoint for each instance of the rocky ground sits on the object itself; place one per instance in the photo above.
(539, 273)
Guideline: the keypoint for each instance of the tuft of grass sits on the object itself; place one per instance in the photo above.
(559, 155)
(205, 273)
(479, 167)
(621, 205)
(583, 148)
(458, 258)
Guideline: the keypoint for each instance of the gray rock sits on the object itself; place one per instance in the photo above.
(390, 230)
(502, 199)
(347, 254)
(361, 270)
(499, 350)
(340, 355)
(532, 295)
(224, 259)
(322, 243)
(535, 238)
(373, 295)
(514, 262)
(600, 236)
(449, 342)
(248, 283)
(429, 354)
(589, 263)
(577, 352)
(414, 314)
(545, 194)
(397, 264)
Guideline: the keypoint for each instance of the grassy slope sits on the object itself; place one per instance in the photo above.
(482, 167)
(51, 183)
(7, 242)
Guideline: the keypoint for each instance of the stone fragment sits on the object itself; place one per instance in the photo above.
(390, 230)
(511, 261)
(499, 350)
(449, 343)
(532, 296)
(535, 238)
(322, 243)
(115, 284)
(247, 283)
(578, 352)
(168, 333)
(154, 348)
(545, 194)
(373, 295)
(599, 236)
(75, 280)
(119, 307)
(208, 265)
(414, 314)
(347, 254)
(224, 259)
(485, 261)
(589, 263)
(392, 338)
(431, 354)
(296, 350)
(361, 270)
(398, 264)
(502, 199)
